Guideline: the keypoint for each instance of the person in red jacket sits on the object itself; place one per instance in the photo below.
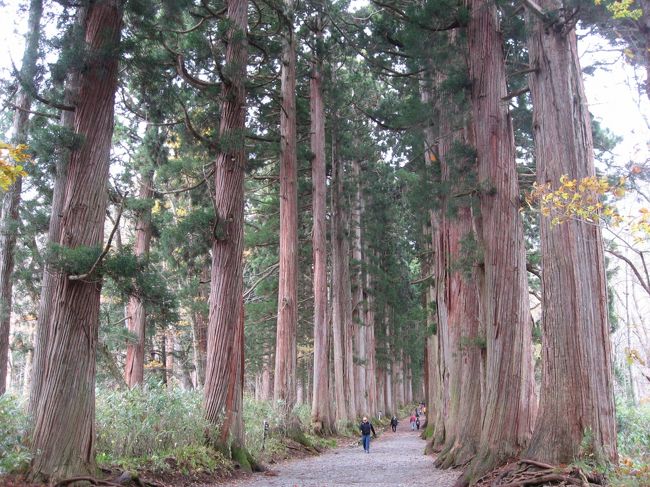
(412, 420)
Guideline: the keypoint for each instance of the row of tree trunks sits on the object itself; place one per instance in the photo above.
(10, 201)
(284, 388)
(497, 422)
(64, 409)
(225, 337)
(576, 397)
(321, 412)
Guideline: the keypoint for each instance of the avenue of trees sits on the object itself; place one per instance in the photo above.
(310, 203)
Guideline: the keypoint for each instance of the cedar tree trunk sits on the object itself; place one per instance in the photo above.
(63, 435)
(507, 415)
(136, 313)
(284, 388)
(227, 248)
(63, 156)
(576, 415)
(321, 415)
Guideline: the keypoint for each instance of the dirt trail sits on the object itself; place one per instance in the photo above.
(395, 460)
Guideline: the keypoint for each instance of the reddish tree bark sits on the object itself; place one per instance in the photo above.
(136, 312)
(227, 248)
(461, 349)
(46, 302)
(576, 415)
(284, 387)
(371, 344)
(339, 253)
(10, 201)
(63, 434)
(508, 405)
(358, 316)
(321, 415)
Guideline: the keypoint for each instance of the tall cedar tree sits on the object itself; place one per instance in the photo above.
(48, 284)
(321, 415)
(508, 405)
(10, 201)
(225, 327)
(576, 415)
(136, 318)
(284, 388)
(64, 434)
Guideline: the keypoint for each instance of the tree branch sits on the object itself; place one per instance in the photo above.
(104, 252)
(645, 285)
(264, 275)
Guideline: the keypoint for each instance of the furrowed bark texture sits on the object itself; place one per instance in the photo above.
(284, 388)
(63, 434)
(46, 302)
(338, 269)
(136, 312)
(358, 316)
(461, 351)
(371, 365)
(232, 429)
(227, 248)
(321, 415)
(10, 201)
(389, 393)
(576, 416)
(507, 418)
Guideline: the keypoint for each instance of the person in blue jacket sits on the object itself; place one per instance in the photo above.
(366, 428)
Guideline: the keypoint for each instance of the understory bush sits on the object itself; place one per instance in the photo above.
(633, 427)
(155, 428)
(144, 420)
(14, 455)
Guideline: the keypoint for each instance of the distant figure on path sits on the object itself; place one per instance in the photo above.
(412, 421)
(366, 428)
(393, 423)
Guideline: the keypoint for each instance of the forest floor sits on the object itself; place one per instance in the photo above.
(395, 460)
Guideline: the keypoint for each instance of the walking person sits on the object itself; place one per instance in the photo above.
(412, 420)
(393, 423)
(366, 428)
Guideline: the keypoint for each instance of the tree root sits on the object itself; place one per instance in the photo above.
(125, 478)
(85, 479)
(530, 473)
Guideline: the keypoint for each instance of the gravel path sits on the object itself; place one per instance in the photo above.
(395, 460)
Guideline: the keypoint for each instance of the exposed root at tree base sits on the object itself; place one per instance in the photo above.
(529, 473)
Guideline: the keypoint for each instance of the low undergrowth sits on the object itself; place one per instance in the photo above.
(14, 455)
(155, 429)
(633, 426)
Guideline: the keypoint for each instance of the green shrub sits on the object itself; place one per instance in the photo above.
(14, 455)
(633, 425)
(145, 421)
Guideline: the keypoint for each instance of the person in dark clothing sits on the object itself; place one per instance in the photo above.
(366, 428)
(393, 423)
